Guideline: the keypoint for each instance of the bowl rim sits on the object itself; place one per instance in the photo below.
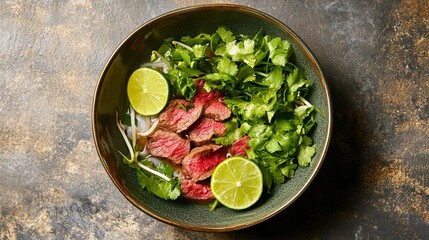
(239, 8)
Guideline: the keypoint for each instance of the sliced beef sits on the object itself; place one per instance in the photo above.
(195, 190)
(200, 163)
(179, 115)
(203, 97)
(239, 146)
(212, 102)
(168, 145)
(217, 110)
(204, 129)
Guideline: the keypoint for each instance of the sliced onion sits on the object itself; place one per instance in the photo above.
(176, 173)
(154, 160)
(160, 65)
(143, 123)
(144, 153)
(151, 129)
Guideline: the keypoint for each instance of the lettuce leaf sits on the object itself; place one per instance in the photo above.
(159, 187)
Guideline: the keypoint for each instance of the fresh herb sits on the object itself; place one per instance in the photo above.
(163, 188)
(264, 90)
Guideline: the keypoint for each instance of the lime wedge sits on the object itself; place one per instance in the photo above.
(237, 183)
(148, 91)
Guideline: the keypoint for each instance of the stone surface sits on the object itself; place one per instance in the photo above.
(373, 185)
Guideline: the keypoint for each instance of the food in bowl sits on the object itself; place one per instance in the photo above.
(215, 98)
(110, 96)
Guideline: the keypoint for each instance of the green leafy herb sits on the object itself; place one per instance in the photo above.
(156, 185)
(262, 87)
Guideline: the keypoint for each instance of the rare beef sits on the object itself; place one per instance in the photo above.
(239, 146)
(168, 145)
(203, 97)
(179, 115)
(204, 129)
(212, 102)
(195, 190)
(217, 110)
(200, 163)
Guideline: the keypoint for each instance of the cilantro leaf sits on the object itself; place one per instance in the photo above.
(181, 54)
(215, 42)
(183, 85)
(227, 66)
(254, 109)
(242, 51)
(297, 85)
(303, 111)
(199, 50)
(279, 51)
(225, 34)
(232, 133)
(200, 39)
(289, 170)
(304, 155)
(274, 79)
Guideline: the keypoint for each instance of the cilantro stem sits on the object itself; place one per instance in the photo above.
(150, 130)
(214, 205)
(261, 74)
(303, 100)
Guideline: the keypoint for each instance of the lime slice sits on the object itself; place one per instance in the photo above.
(237, 183)
(148, 91)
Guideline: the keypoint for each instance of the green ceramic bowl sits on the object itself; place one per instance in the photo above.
(110, 96)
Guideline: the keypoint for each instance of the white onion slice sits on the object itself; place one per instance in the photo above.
(143, 123)
(144, 153)
(154, 160)
(151, 129)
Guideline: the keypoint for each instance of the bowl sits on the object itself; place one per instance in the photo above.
(111, 96)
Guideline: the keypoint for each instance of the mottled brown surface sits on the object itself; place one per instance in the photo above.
(374, 183)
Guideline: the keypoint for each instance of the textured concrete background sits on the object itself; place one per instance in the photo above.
(374, 183)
